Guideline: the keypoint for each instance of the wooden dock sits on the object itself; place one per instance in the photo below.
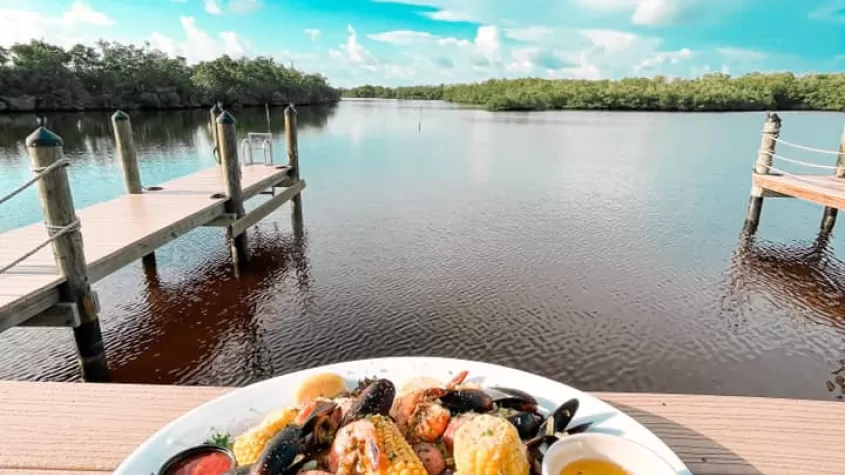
(51, 287)
(43, 425)
(770, 181)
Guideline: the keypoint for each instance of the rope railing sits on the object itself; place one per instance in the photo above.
(39, 173)
(55, 232)
(799, 162)
(804, 147)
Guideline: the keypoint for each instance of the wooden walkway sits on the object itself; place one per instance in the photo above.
(825, 190)
(120, 231)
(76, 429)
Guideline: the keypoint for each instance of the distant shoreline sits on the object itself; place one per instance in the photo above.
(710, 93)
(155, 109)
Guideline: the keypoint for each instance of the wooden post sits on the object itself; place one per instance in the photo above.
(292, 144)
(215, 111)
(125, 141)
(771, 131)
(291, 141)
(45, 149)
(232, 180)
(829, 216)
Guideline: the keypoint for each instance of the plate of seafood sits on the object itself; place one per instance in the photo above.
(405, 416)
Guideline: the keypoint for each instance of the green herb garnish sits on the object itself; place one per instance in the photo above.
(220, 439)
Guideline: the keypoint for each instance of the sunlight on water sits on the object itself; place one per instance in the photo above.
(600, 249)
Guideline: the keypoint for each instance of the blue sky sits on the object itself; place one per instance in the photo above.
(399, 42)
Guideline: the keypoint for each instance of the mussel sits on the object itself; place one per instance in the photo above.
(377, 398)
(515, 399)
(459, 401)
(526, 423)
(310, 438)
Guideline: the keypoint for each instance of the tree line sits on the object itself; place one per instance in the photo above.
(712, 92)
(41, 76)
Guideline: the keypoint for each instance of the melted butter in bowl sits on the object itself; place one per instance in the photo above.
(593, 467)
(602, 454)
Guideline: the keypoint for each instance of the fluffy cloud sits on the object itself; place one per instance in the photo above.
(532, 33)
(244, 7)
(353, 53)
(403, 37)
(448, 15)
(832, 11)
(211, 7)
(313, 33)
(610, 40)
(66, 29)
(488, 42)
(670, 57)
(199, 45)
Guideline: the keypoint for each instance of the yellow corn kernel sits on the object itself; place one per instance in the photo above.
(400, 455)
(489, 445)
(249, 445)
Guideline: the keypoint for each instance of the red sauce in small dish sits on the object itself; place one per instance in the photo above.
(212, 463)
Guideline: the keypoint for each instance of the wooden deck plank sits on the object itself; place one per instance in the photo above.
(117, 232)
(714, 435)
(826, 190)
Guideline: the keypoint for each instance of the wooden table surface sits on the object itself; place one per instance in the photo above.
(76, 429)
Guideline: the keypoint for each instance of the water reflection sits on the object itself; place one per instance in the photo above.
(808, 274)
(186, 326)
(90, 132)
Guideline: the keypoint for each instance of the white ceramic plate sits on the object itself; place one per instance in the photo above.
(240, 409)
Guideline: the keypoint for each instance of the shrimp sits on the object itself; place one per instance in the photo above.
(352, 441)
(419, 416)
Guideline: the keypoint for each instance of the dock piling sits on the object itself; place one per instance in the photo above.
(228, 147)
(829, 216)
(215, 112)
(45, 150)
(128, 156)
(771, 131)
(292, 144)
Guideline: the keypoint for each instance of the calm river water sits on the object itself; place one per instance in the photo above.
(600, 249)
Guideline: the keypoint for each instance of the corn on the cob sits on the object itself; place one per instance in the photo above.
(398, 453)
(489, 445)
(249, 445)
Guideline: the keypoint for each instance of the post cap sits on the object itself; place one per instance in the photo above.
(43, 137)
(225, 118)
(290, 110)
(120, 115)
(216, 109)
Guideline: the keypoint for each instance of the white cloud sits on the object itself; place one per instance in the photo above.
(741, 54)
(313, 33)
(832, 11)
(403, 37)
(353, 53)
(244, 7)
(610, 40)
(454, 42)
(659, 59)
(81, 12)
(448, 15)
(532, 33)
(656, 12)
(66, 29)
(199, 45)
(211, 7)
(487, 42)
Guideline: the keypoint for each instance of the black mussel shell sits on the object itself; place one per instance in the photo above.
(560, 418)
(377, 398)
(526, 423)
(460, 401)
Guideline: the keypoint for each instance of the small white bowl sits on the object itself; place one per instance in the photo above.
(633, 457)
